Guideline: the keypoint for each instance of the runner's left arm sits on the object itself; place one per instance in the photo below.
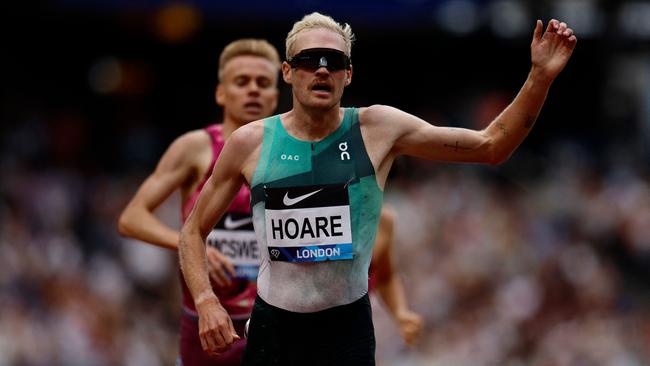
(388, 283)
(550, 51)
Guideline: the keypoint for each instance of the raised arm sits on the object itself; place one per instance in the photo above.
(215, 326)
(409, 135)
(174, 170)
(550, 51)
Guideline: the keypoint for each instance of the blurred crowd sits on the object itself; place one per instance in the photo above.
(71, 291)
(551, 268)
(547, 271)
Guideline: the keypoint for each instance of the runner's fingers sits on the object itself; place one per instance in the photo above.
(415, 327)
(219, 277)
(220, 264)
(233, 331)
(217, 272)
(204, 343)
(552, 25)
(217, 341)
(226, 335)
(227, 263)
(227, 332)
(412, 335)
(214, 262)
(208, 342)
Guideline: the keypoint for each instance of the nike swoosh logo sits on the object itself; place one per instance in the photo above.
(230, 224)
(292, 201)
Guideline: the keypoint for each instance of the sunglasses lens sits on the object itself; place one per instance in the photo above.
(315, 58)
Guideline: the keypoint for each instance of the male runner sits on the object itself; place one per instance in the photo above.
(316, 175)
(247, 91)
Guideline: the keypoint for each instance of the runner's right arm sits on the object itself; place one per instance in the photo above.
(215, 326)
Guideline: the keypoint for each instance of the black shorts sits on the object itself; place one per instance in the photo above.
(340, 336)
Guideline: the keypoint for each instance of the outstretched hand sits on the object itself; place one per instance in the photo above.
(551, 50)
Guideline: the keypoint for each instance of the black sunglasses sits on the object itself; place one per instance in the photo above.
(314, 58)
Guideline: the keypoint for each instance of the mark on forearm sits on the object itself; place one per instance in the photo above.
(530, 121)
(503, 128)
(457, 147)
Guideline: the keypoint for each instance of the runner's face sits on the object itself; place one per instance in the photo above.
(319, 88)
(248, 90)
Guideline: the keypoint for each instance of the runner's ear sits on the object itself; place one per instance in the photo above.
(286, 72)
(348, 74)
(219, 95)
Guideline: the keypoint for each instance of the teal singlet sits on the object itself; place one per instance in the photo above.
(315, 208)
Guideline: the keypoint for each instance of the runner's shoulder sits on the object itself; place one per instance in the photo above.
(377, 113)
(189, 146)
(248, 136)
(194, 137)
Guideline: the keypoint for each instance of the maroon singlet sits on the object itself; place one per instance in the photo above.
(233, 236)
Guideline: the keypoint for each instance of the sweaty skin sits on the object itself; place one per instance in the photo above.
(388, 132)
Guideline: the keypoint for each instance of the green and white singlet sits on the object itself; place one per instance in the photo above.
(316, 208)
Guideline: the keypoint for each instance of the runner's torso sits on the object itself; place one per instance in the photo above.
(316, 207)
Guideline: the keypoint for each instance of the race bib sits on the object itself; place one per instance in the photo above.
(235, 238)
(308, 224)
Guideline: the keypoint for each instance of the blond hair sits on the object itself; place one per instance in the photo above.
(317, 20)
(250, 47)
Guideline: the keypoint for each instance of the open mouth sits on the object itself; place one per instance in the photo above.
(322, 88)
(253, 106)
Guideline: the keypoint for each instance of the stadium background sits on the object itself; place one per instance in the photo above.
(544, 260)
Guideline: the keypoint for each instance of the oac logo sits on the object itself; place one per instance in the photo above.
(290, 157)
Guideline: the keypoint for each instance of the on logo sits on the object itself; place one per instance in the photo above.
(345, 155)
(290, 157)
